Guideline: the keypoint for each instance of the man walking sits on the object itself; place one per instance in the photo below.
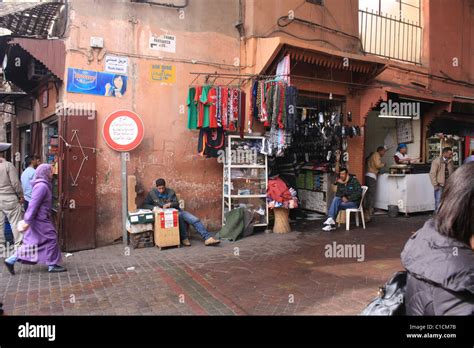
(27, 176)
(441, 168)
(11, 197)
(374, 164)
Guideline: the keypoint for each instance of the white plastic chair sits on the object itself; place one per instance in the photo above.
(357, 211)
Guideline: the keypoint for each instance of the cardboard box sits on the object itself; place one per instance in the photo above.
(166, 228)
(143, 216)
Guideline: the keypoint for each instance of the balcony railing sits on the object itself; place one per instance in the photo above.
(390, 37)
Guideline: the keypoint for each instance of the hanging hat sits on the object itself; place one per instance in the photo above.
(4, 146)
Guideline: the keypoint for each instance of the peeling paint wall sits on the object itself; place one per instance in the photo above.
(169, 149)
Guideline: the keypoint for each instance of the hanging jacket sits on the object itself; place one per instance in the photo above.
(440, 274)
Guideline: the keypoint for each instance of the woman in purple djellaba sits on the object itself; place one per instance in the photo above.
(40, 242)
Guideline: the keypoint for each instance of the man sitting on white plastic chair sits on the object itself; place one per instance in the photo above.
(348, 196)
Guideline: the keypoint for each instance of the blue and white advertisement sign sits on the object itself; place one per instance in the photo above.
(96, 82)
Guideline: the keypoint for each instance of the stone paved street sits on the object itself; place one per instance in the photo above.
(265, 274)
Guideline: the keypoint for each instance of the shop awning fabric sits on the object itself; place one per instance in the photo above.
(29, 19)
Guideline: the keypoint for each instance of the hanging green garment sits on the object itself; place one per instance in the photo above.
(205, 100)
(192, 109)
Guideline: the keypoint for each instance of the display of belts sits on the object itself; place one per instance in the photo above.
(435, 145)
(245, 178)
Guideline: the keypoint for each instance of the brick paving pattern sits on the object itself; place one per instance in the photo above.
(265, 274)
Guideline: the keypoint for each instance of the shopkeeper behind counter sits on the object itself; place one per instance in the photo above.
(401, 156)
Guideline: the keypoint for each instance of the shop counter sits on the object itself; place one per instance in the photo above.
(411, 192)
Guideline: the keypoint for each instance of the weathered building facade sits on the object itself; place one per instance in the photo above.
(331, 57)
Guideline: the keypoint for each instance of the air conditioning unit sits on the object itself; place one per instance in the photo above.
(36, 70)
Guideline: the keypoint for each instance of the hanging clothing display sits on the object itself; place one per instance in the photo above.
(216, 107)
(192, 109)
(211, 141)
(274, 104)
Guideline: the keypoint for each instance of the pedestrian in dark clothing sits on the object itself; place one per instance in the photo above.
(439, 257)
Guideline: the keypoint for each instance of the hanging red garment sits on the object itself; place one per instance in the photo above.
(224, 106)
(242, 113)
(212, 102)
(200, 106)
(281, 90)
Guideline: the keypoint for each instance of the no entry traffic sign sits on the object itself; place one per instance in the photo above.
(123, 130)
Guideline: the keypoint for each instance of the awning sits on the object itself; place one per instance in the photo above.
(51, 53)
(29, 19)
(331, 61)
(452, 123)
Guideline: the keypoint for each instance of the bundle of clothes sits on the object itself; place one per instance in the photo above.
(274, 104)
(279, 195)
(214, 110)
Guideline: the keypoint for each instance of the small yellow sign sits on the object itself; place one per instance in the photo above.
(163, 73)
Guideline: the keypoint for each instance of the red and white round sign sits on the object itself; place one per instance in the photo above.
(123, 130)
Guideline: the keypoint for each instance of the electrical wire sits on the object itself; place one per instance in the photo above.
(312, 24)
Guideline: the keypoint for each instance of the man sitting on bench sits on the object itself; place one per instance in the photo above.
(165, 198)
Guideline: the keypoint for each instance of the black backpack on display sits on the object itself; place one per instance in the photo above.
(391, 298)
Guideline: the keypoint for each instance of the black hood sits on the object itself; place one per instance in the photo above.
(441, 260)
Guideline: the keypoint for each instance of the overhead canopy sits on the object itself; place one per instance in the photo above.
(50, 53)
(29, 19)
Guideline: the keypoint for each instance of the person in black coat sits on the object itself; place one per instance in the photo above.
(439, 257)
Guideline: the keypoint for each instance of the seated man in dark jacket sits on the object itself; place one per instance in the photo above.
(166, 198)
(439, 257)
(348, 196)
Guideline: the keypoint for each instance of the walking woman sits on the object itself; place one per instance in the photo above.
(40, 242)
(439, 257)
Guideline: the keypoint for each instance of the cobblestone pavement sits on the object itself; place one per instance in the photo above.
(265, 274)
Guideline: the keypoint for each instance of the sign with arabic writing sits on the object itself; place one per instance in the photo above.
(123, 130)
(116, 64)
(163, 73)
(96, 82)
